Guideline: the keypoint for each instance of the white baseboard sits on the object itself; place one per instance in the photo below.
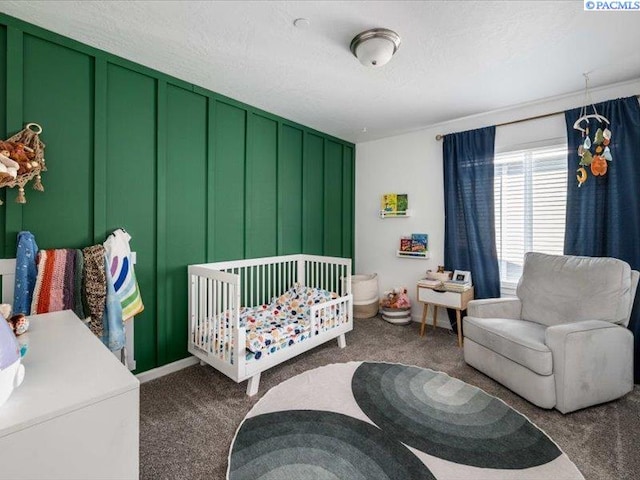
(167, 369)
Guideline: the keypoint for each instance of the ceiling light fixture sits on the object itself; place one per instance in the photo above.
(375, 47)
(301, 23)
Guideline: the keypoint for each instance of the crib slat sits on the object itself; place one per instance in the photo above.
(196, 308)
(201, 300)
(252, 286)
(257, 286)
(226, 312)
(217, 330)
(333, 278)
(210, 317)
(192, 311)
(244, 285)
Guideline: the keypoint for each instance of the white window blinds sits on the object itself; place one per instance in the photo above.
(530, 190)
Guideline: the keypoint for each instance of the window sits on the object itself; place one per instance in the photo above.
(530, 189)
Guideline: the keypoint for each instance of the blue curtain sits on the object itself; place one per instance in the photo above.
(603, 215)
(469, 231)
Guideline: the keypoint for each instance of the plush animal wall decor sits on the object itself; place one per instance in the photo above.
(22, 159)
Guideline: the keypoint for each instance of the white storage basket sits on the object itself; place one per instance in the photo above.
(365, 295)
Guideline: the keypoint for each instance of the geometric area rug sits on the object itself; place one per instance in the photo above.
(383, 421)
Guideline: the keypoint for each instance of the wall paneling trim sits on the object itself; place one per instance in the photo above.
(192, 175)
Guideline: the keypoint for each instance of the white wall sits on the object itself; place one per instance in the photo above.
(412, 164)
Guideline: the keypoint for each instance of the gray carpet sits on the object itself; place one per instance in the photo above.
(188, 419)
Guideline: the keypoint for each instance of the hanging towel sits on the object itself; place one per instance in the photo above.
(26, 273)
(95, 286)
(55, 283)
(120, 271)
(113, 335)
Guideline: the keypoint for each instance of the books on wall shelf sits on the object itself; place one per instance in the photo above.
(405, 244)
(402, 202)
(394, 205)
(414, 246)
(419, 242)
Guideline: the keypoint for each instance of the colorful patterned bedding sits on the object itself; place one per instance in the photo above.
(283, 322)
(284, 319)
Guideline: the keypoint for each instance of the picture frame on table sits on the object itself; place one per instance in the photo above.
(461, 276)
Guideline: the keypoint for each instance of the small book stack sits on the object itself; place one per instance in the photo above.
(425, 282)
(456, 286)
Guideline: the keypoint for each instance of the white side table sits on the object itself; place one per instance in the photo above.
(76, 415)
(456, 300)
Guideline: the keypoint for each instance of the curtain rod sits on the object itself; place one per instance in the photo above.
(441, 136)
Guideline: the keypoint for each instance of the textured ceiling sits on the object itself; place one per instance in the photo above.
(456, 58)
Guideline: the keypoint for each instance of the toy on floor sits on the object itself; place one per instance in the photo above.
(395, 306)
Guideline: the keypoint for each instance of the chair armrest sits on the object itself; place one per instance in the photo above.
(592, 362)
(495, 308)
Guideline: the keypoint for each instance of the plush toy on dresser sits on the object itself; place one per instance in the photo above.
(19, 325)
(11, 370)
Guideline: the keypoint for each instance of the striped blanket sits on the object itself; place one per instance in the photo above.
(59, 282)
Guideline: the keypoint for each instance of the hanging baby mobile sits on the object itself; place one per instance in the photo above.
(21, 160)
(594, 152)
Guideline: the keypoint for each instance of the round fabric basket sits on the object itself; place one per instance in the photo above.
(365, 295)
(396, 316)
(369, 310)
(364, 287)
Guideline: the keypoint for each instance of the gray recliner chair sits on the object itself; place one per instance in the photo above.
(563, 342)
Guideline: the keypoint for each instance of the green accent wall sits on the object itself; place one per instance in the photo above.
(192, 175)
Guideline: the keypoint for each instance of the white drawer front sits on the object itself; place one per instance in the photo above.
(445, 299)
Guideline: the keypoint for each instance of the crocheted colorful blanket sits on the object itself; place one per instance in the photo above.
(58, 284)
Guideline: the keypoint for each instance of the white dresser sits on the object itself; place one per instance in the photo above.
(76, 415)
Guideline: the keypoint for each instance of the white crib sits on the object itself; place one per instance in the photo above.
(219, 290)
